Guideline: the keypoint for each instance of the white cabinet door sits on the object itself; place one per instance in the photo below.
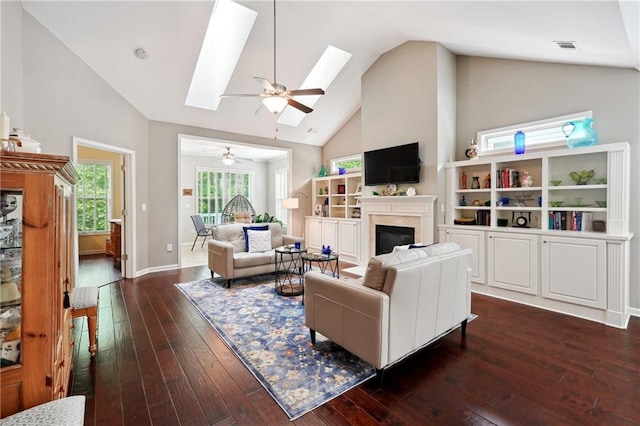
(330, 234)
(513, 261)
(313, 237)
(349, 244)
(474, 240)
(574, 270)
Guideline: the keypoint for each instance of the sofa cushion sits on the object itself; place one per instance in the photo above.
(376, 272)
(253, 228)
(259, 241)
(248, 260)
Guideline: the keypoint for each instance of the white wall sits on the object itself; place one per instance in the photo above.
(188, 179)
(496, 92)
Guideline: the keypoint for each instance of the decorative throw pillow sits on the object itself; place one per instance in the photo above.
(259, 241)
(253, 228)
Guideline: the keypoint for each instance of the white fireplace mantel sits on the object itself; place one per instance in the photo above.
(416, 211)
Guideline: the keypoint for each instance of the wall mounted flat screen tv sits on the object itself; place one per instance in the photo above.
(396, 164)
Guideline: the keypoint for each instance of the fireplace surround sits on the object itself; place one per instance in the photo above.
(416, 212)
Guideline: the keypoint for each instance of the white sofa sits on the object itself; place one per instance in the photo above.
(228, 257)
(406, 300)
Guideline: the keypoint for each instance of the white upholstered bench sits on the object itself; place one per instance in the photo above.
(59, 412)
(84, 302)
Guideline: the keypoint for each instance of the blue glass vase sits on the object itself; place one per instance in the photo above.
(580, 133)
(518, 142)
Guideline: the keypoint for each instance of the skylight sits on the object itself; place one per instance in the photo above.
(227, 33)
(323, 73)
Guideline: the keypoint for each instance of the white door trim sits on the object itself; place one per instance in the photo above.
(129, 158)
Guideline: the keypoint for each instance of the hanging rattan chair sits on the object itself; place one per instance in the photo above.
(237, 206)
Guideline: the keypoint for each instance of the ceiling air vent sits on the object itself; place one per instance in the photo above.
(567, 45)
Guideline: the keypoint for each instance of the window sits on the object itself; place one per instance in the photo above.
(352, 163)
(93, 192)
(215, 188)
(538, 134)
(281, 194)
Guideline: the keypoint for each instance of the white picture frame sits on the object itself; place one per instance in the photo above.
(358, 189)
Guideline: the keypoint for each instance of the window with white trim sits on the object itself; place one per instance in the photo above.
(352, 163)
(538, 134)
(93, 196)
(215, 188)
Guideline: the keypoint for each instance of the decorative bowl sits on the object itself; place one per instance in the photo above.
(601, 203)
(600, 181)
(582, 177)
(556, 203)
(556, 182)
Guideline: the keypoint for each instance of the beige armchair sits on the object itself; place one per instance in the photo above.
(405, 301)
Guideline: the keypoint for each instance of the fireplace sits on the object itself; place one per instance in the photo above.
(387, 237)
(415, 213)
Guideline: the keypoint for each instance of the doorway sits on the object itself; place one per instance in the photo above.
(115, 244)
(197, 153)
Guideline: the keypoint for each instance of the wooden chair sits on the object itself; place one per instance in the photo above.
(84, 303)
(201, 230)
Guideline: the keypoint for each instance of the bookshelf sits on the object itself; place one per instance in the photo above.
(542, 238)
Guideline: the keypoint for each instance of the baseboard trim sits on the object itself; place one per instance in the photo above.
(156, 269)
(634, 312)
(87, 252)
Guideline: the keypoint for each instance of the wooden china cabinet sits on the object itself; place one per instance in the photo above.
(36, 266)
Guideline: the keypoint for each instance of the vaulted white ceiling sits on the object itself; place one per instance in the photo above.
(105, 34)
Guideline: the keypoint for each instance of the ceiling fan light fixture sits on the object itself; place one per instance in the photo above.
(228, 158)
(275, 104)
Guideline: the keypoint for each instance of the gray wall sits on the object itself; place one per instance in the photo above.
(496, 92)
(60, 97)
(163, 178)
(347, 141)
(408, 95)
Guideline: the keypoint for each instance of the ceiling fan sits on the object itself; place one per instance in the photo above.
(276, 96)
(228, 158)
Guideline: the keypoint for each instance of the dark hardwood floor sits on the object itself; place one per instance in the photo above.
(95, 270)
(159, 362)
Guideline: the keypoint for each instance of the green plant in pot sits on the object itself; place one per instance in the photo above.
(581, 178)
(266, 218)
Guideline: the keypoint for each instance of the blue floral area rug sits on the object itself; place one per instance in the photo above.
(268, 334)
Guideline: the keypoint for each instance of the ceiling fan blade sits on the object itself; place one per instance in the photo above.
(266, 85)
(306, 92)
(241, 95)
(299, 106)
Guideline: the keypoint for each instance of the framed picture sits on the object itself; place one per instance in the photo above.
(341, 189)
(359, 188)
(318, 210)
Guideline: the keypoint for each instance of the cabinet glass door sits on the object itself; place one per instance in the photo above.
(11, 202)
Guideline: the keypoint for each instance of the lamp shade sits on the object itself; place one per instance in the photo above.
(275, 104)
(290, 203)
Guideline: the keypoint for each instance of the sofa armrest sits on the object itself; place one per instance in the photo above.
(290, 239)
(221, 258)
(349, 314)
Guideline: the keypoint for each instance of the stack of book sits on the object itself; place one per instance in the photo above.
(570, 220)
(483, 217)
(507, 178)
